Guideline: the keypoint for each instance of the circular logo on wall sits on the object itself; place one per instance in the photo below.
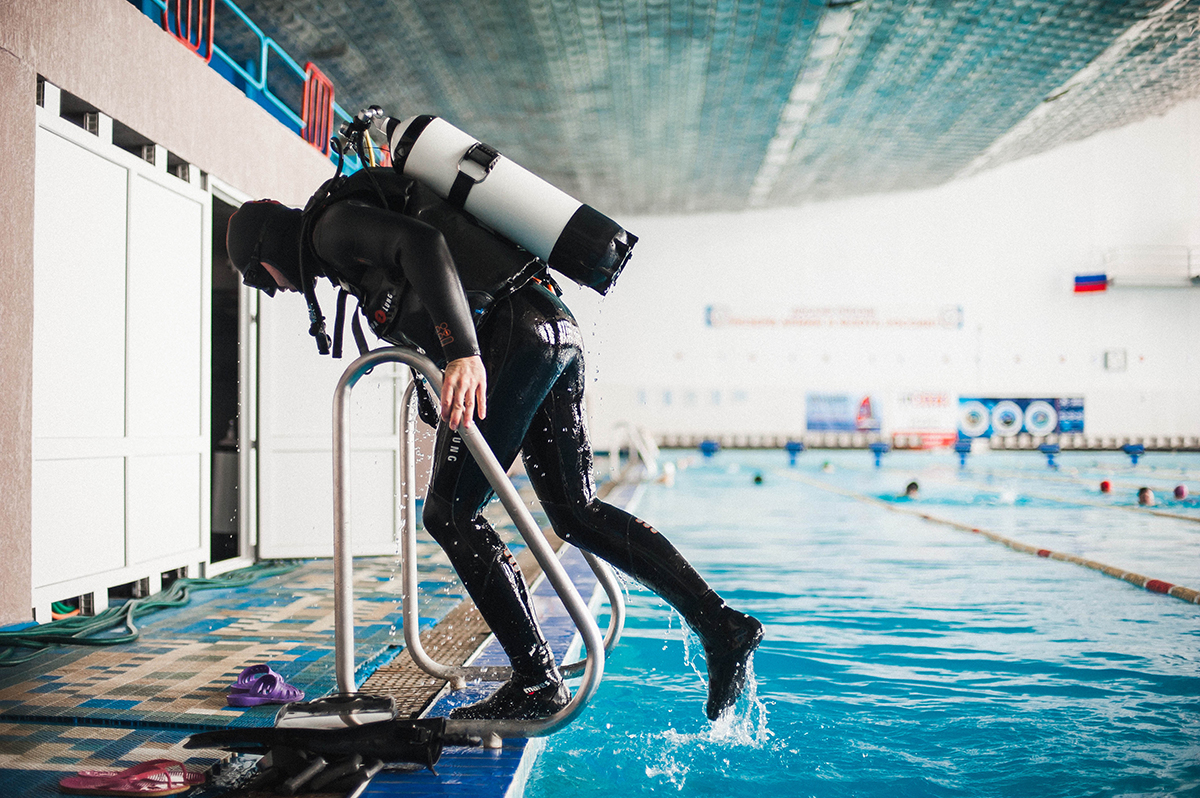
(973, 419)
(1040, 418)
(1007, 418)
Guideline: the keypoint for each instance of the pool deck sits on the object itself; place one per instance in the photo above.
(76, 708)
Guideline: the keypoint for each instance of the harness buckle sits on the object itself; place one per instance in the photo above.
(477, 162)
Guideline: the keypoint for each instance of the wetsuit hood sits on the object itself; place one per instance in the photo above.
(264, 230)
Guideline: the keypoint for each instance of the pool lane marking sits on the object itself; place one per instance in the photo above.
(1146, 583)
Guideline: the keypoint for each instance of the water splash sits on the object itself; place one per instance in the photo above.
(743, 724)
(670, 769)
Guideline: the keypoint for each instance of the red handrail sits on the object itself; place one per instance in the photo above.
(193, 30)
(317, 110)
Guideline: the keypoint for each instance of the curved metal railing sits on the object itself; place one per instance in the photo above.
(490, 731)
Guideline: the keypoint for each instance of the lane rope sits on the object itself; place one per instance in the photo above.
(1146, 583)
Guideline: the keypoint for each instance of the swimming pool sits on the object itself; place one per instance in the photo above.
(905, 657)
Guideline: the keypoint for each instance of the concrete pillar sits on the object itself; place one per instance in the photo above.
(18, 85)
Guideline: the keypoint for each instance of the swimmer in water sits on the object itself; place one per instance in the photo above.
(1145, 497)
(911, 490)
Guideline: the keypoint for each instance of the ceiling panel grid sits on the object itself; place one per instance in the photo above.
(669, 106)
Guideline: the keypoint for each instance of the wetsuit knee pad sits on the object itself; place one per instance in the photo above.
(438, 517)
(458, 532)
(577, 522)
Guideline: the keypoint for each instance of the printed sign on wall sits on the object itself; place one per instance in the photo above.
(983, 418)
(842, 412)
(885, 317)
(926, 416)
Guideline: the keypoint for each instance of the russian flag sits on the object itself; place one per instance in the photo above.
(1090, 282)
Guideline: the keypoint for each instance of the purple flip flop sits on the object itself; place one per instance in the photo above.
(267, 689)
(250, 676)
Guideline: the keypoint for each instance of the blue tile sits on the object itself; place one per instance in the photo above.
(109, 703)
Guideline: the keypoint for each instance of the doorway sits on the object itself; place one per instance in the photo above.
(226, 539)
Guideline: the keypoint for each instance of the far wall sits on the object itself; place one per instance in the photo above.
(1003, 246)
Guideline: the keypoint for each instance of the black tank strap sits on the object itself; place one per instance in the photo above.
(479, 161)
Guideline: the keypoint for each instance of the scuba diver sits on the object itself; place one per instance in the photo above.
(427, 276)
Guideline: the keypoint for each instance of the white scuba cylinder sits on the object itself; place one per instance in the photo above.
(573, 238)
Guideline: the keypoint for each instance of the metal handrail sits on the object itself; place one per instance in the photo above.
(640, 444)
(490, 731)
(459, 675)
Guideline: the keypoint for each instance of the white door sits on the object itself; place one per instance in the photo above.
(295, 451)
(120, 365)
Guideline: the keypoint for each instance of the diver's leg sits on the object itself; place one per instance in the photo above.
(521, 369)
(558, 459)
(488, 570)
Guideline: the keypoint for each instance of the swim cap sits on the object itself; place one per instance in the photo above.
(265, 230)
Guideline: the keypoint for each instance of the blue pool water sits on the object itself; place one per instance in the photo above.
(904, 657)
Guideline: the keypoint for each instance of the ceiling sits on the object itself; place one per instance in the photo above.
(671, 106)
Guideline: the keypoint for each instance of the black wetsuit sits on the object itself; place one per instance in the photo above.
(533, 353)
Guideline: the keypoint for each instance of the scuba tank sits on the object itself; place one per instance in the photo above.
(572, 238)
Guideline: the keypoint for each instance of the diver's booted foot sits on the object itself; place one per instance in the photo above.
(728, 659)
(518, 700)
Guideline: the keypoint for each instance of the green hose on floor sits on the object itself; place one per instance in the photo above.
(80, 630)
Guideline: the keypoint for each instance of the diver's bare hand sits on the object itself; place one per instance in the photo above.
(464, 391)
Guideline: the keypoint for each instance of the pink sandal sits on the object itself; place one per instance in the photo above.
(157, 777)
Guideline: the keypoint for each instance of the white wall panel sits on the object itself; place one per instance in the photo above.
(296, 437)
(166, 303)
(78, 518)
(121, 370)
(79, 292)
(164, 506)
(296, 504)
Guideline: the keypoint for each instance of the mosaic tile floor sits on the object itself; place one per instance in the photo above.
(75, 708)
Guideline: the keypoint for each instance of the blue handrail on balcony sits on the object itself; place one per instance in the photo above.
(257, 87)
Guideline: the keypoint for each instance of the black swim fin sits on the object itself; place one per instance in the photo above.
(419, 741)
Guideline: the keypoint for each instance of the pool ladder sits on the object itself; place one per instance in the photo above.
(491, 732)
(641, 446)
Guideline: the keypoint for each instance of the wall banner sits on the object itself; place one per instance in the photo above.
(983, 418)
(885, 317)
(842, 412)
(927, 419)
